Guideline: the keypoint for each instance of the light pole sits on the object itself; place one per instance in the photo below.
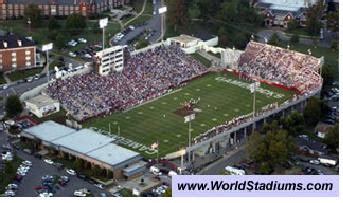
(29, 22)
(118, 127)
(188, 120)
(46, 48)
(162, 12)
(253, 88)
(103, 23)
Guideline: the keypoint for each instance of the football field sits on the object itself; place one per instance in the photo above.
(222, 97)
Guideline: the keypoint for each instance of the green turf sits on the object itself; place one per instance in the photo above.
(219, 102)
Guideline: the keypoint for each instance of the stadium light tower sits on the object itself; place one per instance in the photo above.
(46, 48)
(103, 23)
(162, 12)
(188, 119)
(253, 87)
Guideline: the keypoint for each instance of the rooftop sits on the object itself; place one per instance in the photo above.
(49, 131)
(10, 41)
(83, 141)
(112, 154)
(41, 100)
(185, 38)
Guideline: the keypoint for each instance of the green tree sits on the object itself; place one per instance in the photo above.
(293, 123)
(78, 164)
(33, 14)
(61, 40)
(13, 106)
(97, 171)
(333, 21)
(313, 18)
(293, 25)
(332, 138)
(274, 40)
(257, 147)
(9, 168)
(177, 13)
(294, 39)
(53, 24)
(194, 11)
(75, 23)
(168, 192)
(312, 111)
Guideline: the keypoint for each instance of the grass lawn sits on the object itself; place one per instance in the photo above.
(18, 75)
(157, 120)
(202, 60)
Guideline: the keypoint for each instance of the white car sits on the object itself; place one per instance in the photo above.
(27, 163)
(71, 54)
(99, 186)
(316, 162)
(82, 40)
(79, 194)
(9, 193)
(48, 161)
(88, 56)
(45, 194)
(12, 187)
(71, 172)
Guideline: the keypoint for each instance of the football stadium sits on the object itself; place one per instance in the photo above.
(143, 108)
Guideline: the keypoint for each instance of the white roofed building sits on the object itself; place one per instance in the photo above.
(280, 12)
(86, 144)
(42, 105)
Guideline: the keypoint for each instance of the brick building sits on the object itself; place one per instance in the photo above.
(11, 9)
(16, 53)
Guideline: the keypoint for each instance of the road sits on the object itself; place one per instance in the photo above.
(39, 169)
(153, 24)
(218, 167)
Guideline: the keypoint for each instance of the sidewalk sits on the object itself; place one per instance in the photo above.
(4, 75)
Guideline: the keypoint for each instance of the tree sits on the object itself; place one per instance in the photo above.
(312, 111)
(61, 40)
(257, 147)
(194, 11)
(332, 21)
(13, 106)
(271, 150)
(294, 39)
(293, 123)
(177, 13)
(332, 138)
(78, 164)
(293, 25)
(9, 168)
(274, 40)
(97, 171)
(33, 14)
(76, 23)
(313, 18)
(168, 192)
(53, 24)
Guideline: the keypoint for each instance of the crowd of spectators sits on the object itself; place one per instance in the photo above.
(284, 66)
(146, 76)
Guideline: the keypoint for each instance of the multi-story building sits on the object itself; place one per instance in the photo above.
(110, 59)
(10, 9)
(281, 12)
(16, 53)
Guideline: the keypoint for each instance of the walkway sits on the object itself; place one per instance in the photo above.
(138, 15)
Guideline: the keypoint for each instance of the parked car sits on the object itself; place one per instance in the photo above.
(71, 172)
(48, 161)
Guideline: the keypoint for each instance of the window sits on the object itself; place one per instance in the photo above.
(14, 65)
(14, 54)
(14, 59)
(27, 58)
(27, 52)
(28, 63)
